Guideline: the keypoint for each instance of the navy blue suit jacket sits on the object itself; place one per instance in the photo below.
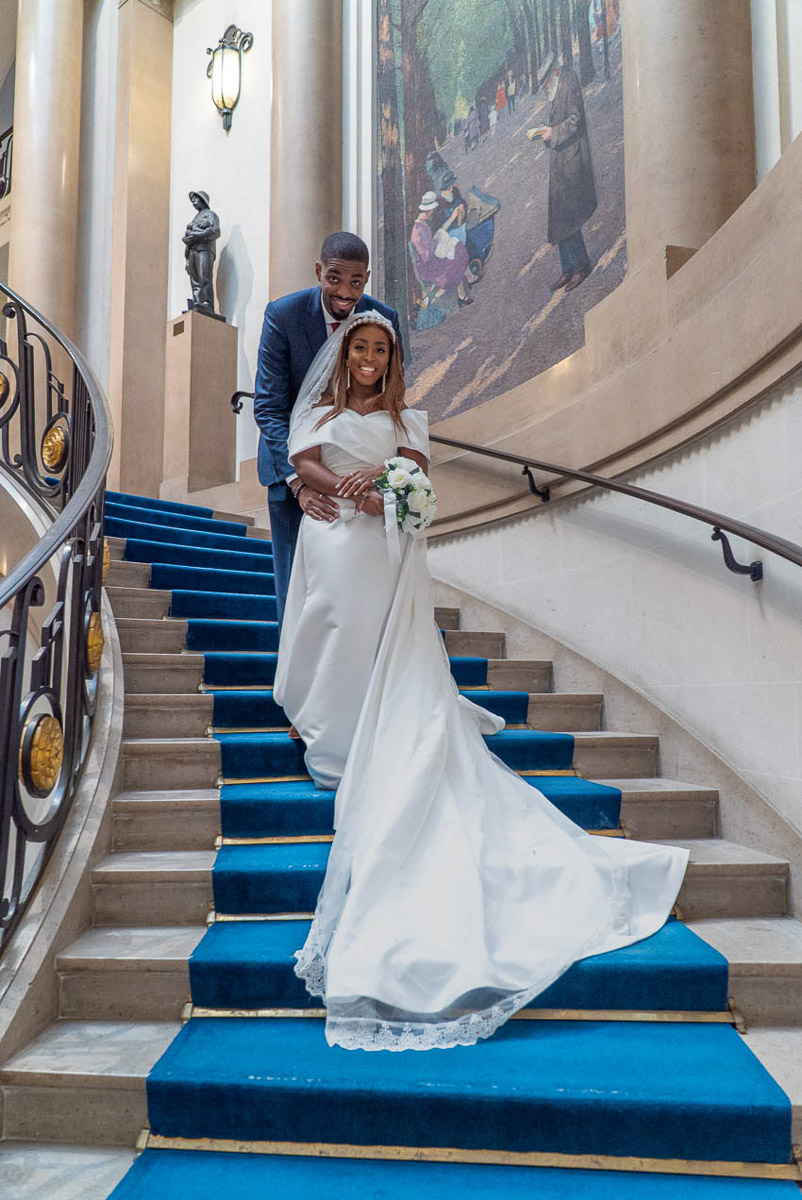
(294, 329)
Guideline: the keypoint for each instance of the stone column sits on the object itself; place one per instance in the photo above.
(305, 138)
(47, 123)
(689, 133)
(140, 243)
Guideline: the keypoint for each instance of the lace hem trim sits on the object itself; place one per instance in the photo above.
(373, 1033)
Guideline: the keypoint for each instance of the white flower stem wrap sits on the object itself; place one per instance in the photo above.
(410, 504)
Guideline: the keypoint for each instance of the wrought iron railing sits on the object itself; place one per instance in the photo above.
(718, 522)
(6, 146)
(55, 448)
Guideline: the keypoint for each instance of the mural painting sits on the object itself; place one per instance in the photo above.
(500, 165)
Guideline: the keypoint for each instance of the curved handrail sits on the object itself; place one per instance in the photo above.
(720, 523)
(55, 443)
(96, 470)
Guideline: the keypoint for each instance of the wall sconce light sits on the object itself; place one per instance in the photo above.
(225, 70)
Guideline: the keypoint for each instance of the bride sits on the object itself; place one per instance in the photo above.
(455, 892)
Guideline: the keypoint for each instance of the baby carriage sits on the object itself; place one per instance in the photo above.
(481, 229)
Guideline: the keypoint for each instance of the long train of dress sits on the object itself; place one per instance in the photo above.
(455, 892)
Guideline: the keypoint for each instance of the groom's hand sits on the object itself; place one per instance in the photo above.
(371, 503)
(358, 482)
(317, 506)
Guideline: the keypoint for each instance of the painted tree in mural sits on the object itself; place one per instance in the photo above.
(566, 34)
(392, 176)
(582, 20)
(424, 128)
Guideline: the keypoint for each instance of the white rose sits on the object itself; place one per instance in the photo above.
(398, 478)
(411, 523)
(418, 499)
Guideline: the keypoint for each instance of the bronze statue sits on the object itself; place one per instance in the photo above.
(199, 239)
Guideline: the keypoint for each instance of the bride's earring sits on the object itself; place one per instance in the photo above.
(384, 382)
(348, 381)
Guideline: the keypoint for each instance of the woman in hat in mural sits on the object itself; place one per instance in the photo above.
(445, 273)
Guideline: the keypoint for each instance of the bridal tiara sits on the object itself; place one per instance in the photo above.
(373, 317)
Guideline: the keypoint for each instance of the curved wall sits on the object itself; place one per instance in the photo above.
(644, 594)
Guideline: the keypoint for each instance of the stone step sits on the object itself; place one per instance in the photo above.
(255, 531)
(83, 1082)
(554, 712)
(162, 673)
(446, 618)
(727, 880)
(128, 574)
(116, 548)
(765, 957)
(29, 1170)
(140, 603)
(166, 820)
(475, 643)
(157, 888)
(170, 763)
(143, 636)
(519, 675)
(780, 1051)
(127, 974)
(153, 887)
(603, 754)
(667, 808)
(165, 715)
(219, 515)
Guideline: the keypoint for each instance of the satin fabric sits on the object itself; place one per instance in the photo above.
(455, 892)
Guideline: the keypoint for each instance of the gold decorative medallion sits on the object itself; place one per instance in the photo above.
(5, 388)
(94, 642)
(41, 753)
(106, 559)
(54, 448)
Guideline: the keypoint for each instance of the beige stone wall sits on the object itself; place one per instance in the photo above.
(644, 594)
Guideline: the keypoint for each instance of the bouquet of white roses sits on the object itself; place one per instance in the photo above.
(415, 501)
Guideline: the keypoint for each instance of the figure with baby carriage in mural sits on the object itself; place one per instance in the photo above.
(450, 244)
(501, 185)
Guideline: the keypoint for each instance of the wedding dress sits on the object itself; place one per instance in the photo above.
(455, 892)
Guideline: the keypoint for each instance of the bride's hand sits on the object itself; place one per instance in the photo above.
(371, 503)
(358, 482)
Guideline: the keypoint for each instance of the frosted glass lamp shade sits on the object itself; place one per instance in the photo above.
(225, 70)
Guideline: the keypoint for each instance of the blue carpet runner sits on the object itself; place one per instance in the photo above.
(180, 1175)
(658, 1090)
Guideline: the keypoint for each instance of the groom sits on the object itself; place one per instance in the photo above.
(295, 327)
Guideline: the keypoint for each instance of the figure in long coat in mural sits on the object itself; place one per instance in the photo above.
(572, 191)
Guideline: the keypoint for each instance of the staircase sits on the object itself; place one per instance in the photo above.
(220, 841)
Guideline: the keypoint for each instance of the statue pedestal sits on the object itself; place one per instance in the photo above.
(200, 431)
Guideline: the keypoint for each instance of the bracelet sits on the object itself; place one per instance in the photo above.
(298, 490)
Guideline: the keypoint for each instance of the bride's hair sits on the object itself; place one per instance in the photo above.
(336, 393)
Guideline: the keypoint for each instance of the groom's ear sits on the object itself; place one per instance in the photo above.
(318, 269)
